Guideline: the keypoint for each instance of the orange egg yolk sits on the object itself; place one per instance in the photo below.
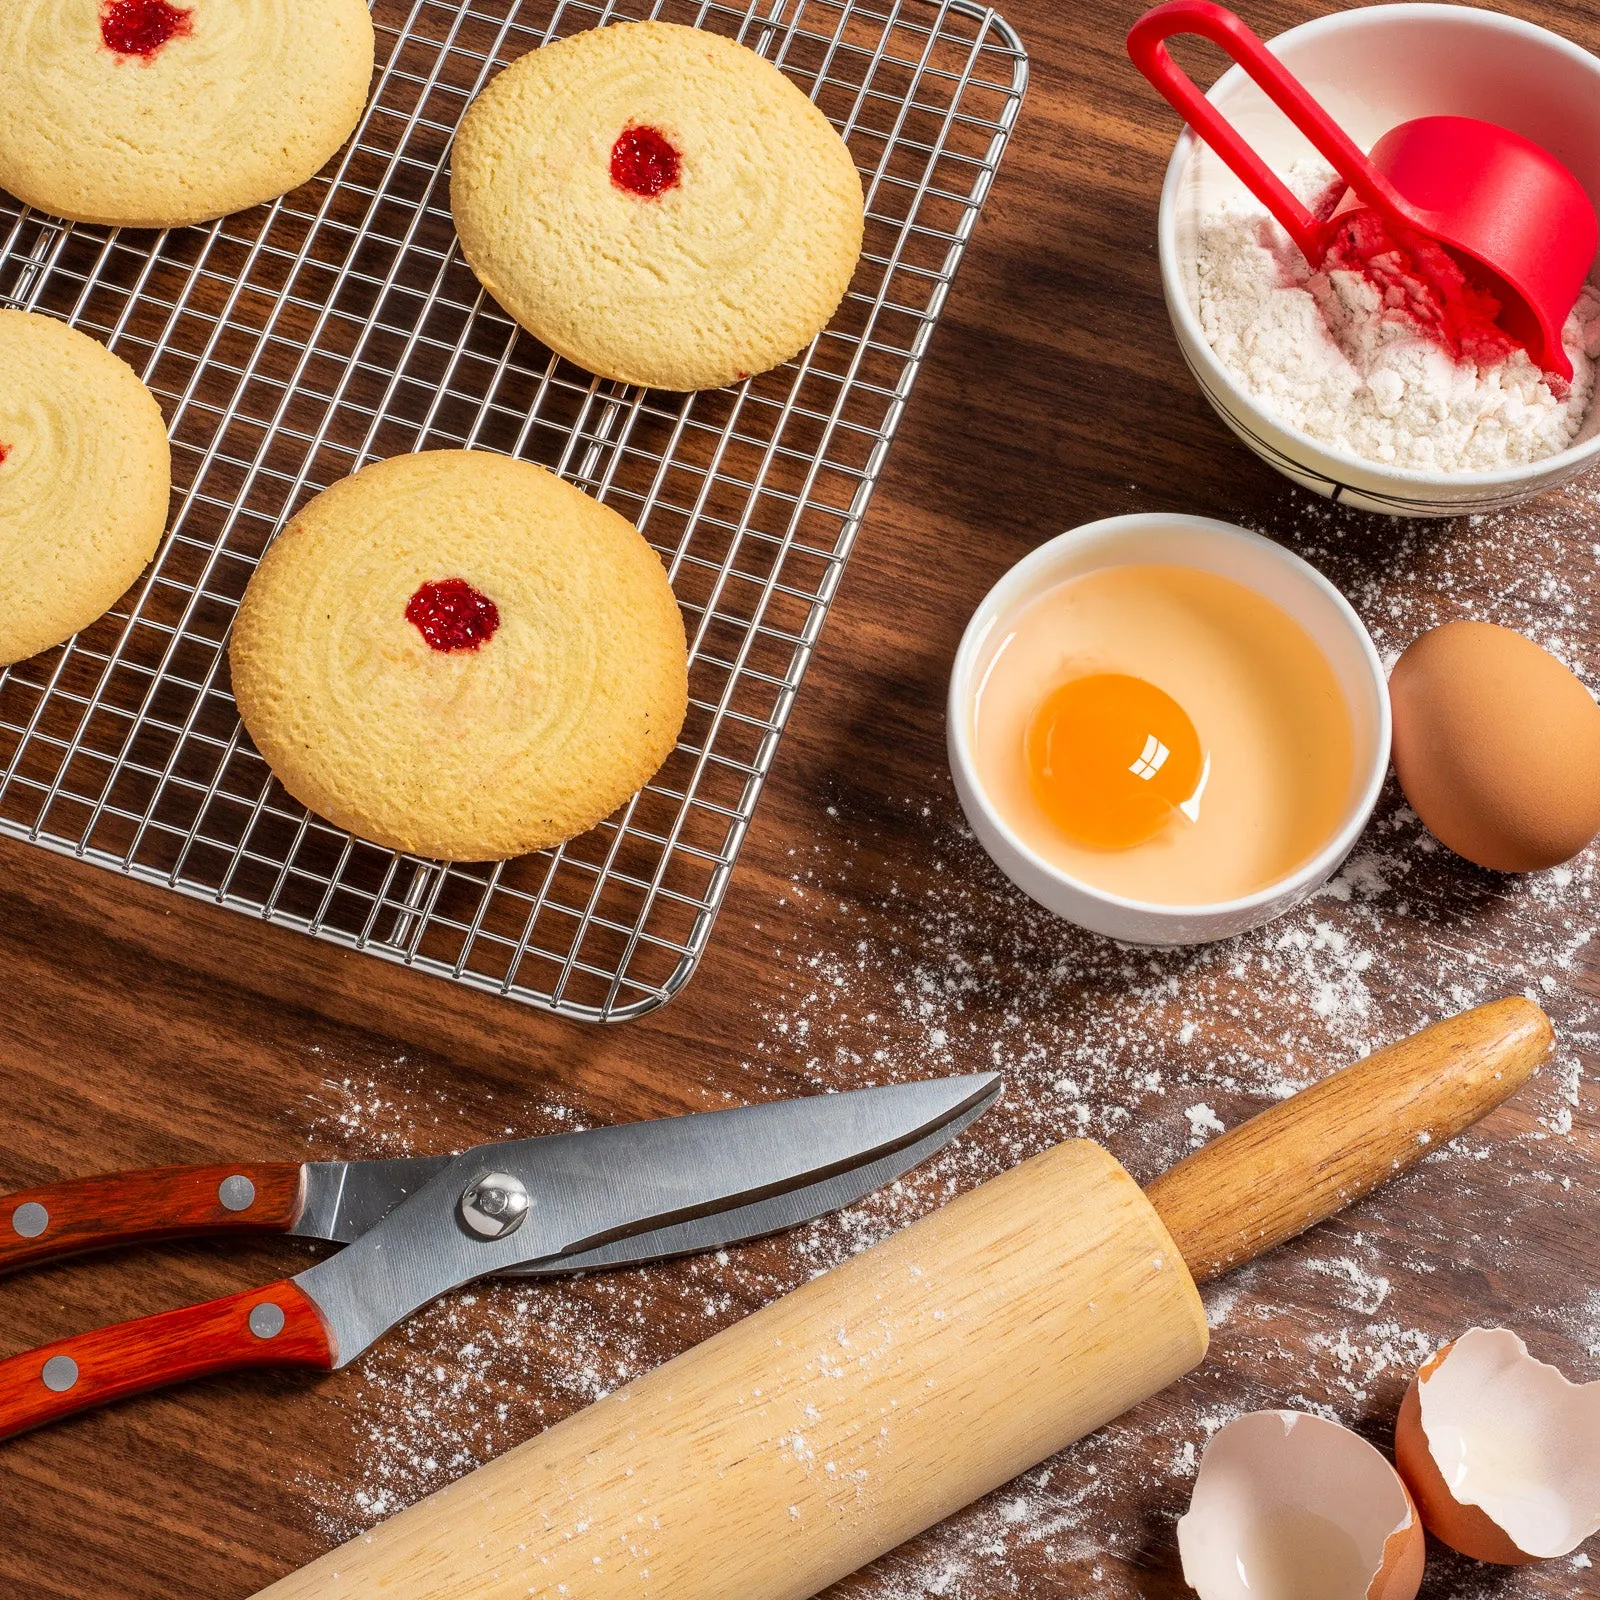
(1113, 759)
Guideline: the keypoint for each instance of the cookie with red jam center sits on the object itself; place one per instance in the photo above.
(659, 204)
(461, 656)
(85, 478)
(158, 113)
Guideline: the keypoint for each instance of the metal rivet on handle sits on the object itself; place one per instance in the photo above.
(237, 1193)
(495, 1205)
(60, 1374)
(30, 1219)
(266, 1320)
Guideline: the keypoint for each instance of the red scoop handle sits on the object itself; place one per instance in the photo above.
(273, 1327)
(121, 1208)
(1148, 49)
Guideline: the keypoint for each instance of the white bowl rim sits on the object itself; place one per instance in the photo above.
(1313, 871)
(1178, 299)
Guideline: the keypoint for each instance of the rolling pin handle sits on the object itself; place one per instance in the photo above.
(1312, 1155)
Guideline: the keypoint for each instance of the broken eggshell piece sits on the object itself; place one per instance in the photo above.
(1283, 1495)
(1501, 1451)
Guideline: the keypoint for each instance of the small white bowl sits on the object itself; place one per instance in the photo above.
(1374, 68)
(1231, 552)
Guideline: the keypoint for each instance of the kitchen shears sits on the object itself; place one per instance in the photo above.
(414, 1228)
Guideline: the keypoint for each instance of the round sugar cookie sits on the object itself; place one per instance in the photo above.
(158, 113)
(658, 204)
(85, 477)
(459, 655)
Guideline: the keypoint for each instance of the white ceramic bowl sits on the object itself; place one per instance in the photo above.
(1249, 559)
(1372, 69)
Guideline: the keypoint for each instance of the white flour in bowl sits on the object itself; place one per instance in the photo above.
(1333, 355)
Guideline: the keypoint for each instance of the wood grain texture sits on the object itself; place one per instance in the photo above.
(140, 1029)
(132, 1358)
(830, 1426)
(1295, 1165)
(111, 1209)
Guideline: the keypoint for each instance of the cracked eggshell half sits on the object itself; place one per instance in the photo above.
(1501, 1451)
(1279, 1489)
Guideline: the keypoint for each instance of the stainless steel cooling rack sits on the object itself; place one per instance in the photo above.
(296, 342)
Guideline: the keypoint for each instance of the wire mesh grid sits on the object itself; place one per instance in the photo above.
(292, 344)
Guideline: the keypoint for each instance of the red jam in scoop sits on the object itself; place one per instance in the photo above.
(452, 615)
(141, 27)
(644, 162)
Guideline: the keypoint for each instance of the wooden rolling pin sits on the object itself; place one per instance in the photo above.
(805, 1441)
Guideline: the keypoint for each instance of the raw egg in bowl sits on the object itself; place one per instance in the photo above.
(1167, 729)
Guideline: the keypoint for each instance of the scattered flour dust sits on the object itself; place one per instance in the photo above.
(900, 952)
(1341, 359)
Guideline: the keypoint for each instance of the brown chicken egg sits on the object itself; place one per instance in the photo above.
(1497, 746)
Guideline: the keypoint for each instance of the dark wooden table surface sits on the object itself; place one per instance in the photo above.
(865, 937)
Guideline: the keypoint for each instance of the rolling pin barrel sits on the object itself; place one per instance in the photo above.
(837, 1422)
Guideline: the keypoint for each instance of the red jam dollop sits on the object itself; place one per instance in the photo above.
(141, 27)
(5, 450)
(452, 615)
(644, 162)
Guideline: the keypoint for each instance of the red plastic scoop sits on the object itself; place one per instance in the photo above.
(1523, 223)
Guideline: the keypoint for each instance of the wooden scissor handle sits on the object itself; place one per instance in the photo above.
(273, 1327)
(120, 1208)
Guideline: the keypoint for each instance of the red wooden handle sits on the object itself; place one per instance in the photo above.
(117, 1208)
(273, 1327)
(1148, 49)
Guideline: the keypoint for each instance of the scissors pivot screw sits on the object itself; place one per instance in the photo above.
(495, 1205)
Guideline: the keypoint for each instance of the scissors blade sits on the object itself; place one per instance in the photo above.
(586, 1190)
(743, 1223)
(346, 1198)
